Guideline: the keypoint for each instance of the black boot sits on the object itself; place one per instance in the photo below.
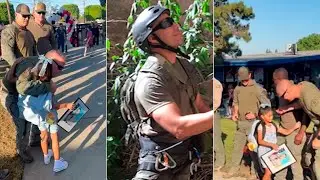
(22, 152)
(25, 157)
(4, 174)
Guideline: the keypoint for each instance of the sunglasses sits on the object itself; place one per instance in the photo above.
(168, 22)
(25, 16)
(284, 93)
(265, 105)
(43, 13)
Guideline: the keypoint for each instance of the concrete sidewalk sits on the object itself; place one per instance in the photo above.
(85, 146)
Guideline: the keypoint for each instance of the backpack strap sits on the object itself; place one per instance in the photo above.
(263, 130)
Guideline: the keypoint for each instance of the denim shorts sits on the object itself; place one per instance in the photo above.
(44, 126)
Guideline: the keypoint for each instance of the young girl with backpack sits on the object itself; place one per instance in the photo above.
(267, 135)
(41, 110)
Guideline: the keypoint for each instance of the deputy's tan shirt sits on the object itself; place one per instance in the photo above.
(153, 91)
(16, 42)
(248, 98)
(310, 101)
(43, 35)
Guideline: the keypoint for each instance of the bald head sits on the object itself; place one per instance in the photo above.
(282, 87)
(280, 74)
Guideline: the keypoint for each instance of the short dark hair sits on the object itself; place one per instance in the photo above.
(264, 110)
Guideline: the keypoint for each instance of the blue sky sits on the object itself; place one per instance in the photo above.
(56, 2)
(280, 22)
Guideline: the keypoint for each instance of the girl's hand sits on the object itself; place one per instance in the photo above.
(275, 147)
(298, 125)
(70, 106)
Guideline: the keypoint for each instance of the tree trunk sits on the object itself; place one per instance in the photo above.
(8, 9)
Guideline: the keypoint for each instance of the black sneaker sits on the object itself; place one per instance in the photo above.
(4, 174)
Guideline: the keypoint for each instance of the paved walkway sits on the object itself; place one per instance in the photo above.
(85, 146)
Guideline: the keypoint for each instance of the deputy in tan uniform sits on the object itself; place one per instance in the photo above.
(220, 157)
(17, 42)
(45, 41)
(248, 96)
(42, 30)
(309, 99)
(295, 141)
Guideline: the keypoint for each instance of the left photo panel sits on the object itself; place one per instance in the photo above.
(159, 90)
(53, 90)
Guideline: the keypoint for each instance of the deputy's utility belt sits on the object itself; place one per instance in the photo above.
(157, 157)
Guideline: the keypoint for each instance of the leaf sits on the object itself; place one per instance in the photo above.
(130, 21)
(112, 65)
(205, 7)
(115, 58)
(208, 26)
(108, 44)
(125, 57)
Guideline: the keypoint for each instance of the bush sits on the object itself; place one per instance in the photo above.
(93, 12)
(4, 13)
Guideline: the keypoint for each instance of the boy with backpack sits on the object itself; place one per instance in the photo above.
(264, 135)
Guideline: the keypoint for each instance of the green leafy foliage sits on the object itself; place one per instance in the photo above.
(230, 21)
(311, 42)
(73, 9)
(93, 12)
(4, 13)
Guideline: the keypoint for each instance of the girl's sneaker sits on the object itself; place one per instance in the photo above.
(60, 165)
(47, 157)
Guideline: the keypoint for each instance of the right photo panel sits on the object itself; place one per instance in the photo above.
(266, 90)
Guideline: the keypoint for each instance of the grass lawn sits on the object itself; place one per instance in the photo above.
(8, 158)
(228, 127)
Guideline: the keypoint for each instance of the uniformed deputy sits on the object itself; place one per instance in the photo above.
(219, 150)
(167, 100)
(45, 41)
(296, 140)
(17, 42)
(41, 29)
(248, 96)
(309, 99)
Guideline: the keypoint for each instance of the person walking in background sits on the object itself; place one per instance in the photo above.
(88, 41)
(61, 37)
(95, 33)
(230, 99)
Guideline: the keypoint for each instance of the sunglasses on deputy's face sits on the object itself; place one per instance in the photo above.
(167, 22)
(25, 16)
(43, 13)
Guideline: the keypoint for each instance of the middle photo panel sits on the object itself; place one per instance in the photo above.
(160, 92)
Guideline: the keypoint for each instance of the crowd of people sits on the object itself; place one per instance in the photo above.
(249, 102)
(29, 46)
(91, 37)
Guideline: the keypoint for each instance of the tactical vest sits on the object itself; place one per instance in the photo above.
(150, 145)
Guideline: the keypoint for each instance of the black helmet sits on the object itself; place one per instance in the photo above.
(141, 28)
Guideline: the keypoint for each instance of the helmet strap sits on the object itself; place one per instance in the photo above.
(163, 45)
